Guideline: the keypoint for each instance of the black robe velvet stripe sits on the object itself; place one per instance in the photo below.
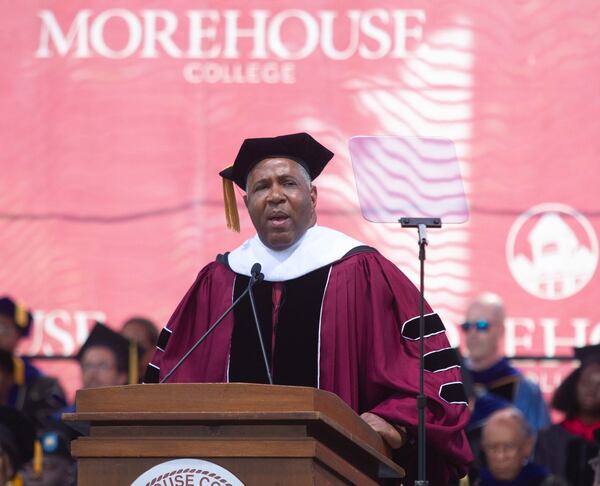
(296, 360)
(296, 331)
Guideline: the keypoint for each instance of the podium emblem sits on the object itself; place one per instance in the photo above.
(187, 472)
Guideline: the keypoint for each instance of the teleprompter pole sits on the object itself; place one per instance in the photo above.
(421, 224)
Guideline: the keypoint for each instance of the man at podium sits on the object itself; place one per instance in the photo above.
(333, 313)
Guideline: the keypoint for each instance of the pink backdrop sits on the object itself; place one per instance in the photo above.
(115, 120)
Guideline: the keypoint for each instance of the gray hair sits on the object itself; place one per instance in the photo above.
(508, 416)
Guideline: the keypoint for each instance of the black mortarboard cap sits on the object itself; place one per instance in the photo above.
(300, 147)
(126, 352)
(18, 313)
(587, 354)
(17, 436)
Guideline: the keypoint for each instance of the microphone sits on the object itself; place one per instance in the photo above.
(255, 278)
(255, 270)
(256, 274)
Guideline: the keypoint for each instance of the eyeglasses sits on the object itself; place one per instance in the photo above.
(507, 449)
(102, 367)
(480, 325)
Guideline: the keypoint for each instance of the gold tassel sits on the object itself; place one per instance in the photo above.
(38, 455)
(231, 212)
(19, 371)
(133, 363)
(16, 481)
(20, 316)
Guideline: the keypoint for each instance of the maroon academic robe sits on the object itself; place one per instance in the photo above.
(367, 352)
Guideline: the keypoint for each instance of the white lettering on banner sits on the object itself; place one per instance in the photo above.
(311, 37)
(59, 332)
(379, 35)
(198, 32)
(551, 341)
(187, 472)
(372, 34)
(522, 332)
(252, 72)
(257, 33)
(51, 31)
(328, 30)
(512, 340)
(134, 29)
(595, 335)
(162, 36)
(403, 32)
(54, 327)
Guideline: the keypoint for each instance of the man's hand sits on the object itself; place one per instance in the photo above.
(392, 435)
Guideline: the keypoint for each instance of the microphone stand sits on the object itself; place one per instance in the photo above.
(257, 277)
(254, 279)
(421, 224)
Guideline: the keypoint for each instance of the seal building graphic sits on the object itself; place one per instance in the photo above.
(552, 251)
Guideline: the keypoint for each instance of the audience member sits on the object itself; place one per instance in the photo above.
(145, 333)
(15, 323)
(567, 448)
(57, 465)
(17, 436)
(493, 383)
(22, 385)
(491, 372)
(107, 359)
(507, 443)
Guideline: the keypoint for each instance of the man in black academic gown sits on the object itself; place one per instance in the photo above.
(334, 313)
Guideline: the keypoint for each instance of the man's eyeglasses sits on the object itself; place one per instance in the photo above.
(480, 325)
(102, 367)
(507, 449)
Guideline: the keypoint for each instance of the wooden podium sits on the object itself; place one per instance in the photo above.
(263, 434)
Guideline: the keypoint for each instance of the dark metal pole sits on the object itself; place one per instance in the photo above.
(421, 224)
(421, 399)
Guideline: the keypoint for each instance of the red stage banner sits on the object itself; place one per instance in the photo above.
(117, 116)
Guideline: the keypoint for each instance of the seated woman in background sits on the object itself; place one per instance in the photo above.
(566, 448)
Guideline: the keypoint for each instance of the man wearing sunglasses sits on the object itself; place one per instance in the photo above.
(496, 384)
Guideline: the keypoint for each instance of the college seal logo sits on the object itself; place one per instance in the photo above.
(187, 472)
(552, 251)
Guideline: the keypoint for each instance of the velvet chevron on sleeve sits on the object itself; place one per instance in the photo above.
(370, 358)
